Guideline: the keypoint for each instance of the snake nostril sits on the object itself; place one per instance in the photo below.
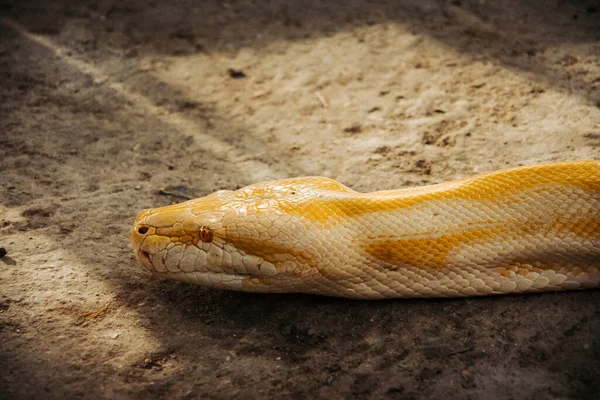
(142, 230)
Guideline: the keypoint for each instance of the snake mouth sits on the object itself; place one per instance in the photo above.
(217, 280)
(144, 258)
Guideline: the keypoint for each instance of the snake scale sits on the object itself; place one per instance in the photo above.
(526, 229)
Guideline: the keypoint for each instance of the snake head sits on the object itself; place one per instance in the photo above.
(181, 239)
(260, 238)
(230, 240)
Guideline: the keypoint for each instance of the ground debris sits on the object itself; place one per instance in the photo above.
(354, 128)
(176, 191)
(236, 73)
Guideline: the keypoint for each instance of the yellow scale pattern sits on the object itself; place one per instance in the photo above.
(526, 229)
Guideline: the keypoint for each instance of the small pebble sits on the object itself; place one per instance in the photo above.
(236, 74)
(355, 128)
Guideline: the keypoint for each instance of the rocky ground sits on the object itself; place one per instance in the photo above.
(112, 106)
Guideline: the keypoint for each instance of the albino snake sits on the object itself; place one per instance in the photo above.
(526, 229)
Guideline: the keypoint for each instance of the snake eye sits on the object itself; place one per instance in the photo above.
(206, 234)
(143, 230)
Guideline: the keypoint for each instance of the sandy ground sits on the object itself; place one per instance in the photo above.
(105, 103)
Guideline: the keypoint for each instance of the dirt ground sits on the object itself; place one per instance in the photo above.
(103, 104)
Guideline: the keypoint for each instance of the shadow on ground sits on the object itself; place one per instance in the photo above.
(513, 33)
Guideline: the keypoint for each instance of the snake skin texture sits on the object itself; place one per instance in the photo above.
(526, 229)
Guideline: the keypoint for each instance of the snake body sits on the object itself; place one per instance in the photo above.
(526, 229)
